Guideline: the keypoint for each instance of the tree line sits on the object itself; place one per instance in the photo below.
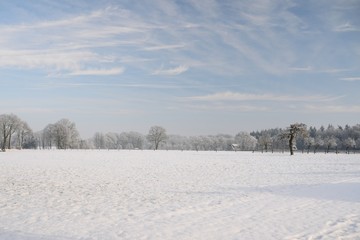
(63, 134)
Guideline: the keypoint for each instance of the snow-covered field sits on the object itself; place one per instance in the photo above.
(178, 195)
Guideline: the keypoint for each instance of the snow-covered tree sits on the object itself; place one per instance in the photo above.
(23, 134)
(195, 143)
(65, 134)
(246, 142)
(9, 123)
(111, 141)
(99, 140)
(349, 143)
(177, 142)
(309, 142)
(137, 140)
(318, 142)
(156, 136)
(295, 130)
(123, 139)
(48, 136)
(330, 142)
(265, 141)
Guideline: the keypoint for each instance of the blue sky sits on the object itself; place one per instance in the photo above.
(193, 67)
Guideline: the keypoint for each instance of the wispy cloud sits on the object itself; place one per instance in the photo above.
(312, 69)
(112, 71)
(233, 96)
(260, 46)
(102, 85)
(171, 71)
(334, 70)
(60, 60)
(72, 43)
(164, 47)
(346, 27)
(226, 107)
(350, 79)
(70, 21)
(304, 69)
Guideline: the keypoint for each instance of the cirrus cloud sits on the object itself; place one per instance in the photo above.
(112, 71)
(350, 79)
(171, 71)
(235, 96)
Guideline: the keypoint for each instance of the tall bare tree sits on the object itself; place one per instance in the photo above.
(156, 135)
(23, 132)
(66, 134)
(9, 123)
(48, 136)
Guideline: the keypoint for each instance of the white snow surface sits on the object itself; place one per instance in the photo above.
(93, 194)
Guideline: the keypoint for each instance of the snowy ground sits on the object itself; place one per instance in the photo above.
(178, 195)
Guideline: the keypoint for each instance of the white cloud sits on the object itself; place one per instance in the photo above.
(233, 96)
(224, 107)
(346, 27)
(58, 63)
(172, 71)
(76, 84)
(164, 47)
(112, 26)
(92, 18)
(112, 71)
(334, 70)
(219, 47)
(59, 60)
(350, 79)
(308, 68)
(72, 43)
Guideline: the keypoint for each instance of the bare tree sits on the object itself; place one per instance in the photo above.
(215, 142)
(23, 132)
(245, 141)
(66, 134)
(205, 143)
(99, 140)
(156, 135)
(309, 142)
(318, 142)
(349, 143)
(48, 136)
(265, 141)
(123, 140)
(195, 143)
(136, 140)
(9, 123)
(329, 143)
(111, 141)
(292, 132)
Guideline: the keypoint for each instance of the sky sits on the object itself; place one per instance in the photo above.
(192, 67)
